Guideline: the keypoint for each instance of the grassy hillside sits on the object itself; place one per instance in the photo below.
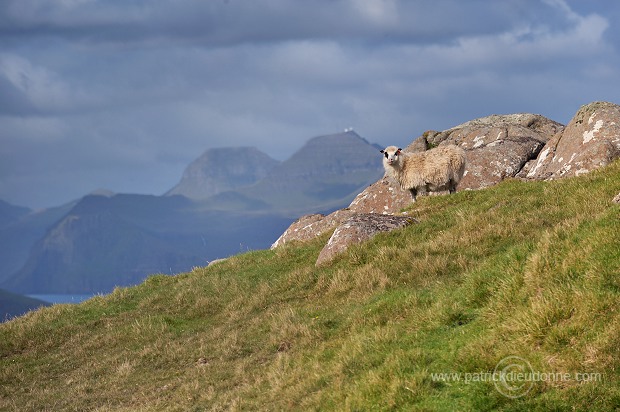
(523, 269)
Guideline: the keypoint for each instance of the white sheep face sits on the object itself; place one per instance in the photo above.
(391, 154)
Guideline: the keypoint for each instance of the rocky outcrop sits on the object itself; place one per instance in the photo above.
(384, 197)
(359, 228)
(616, 199)
(497, 147)
(309, 227)
(591, 140)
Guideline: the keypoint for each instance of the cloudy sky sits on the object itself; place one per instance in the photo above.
(123, 94)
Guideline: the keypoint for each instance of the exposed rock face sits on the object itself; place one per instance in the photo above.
(616, 199)
(384, 197)
(358, 228)
(310, 226)
(591, 140)
(498, 146)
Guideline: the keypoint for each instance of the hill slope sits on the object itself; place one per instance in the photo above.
(522, 269)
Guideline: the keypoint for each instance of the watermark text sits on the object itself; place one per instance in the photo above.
(514, 377)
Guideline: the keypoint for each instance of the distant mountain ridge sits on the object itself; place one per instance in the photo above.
(338, 157)
(330, 169)
(104, 242)
(327, 171)
(229, 200)
(19, 236)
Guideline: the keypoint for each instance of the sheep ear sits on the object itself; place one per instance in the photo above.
(399, 150)
(381, 151)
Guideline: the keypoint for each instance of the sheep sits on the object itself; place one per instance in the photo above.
(434, 170)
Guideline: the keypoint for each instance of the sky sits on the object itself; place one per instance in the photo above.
(124, 94)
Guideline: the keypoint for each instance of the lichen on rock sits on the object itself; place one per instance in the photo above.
(359, 228)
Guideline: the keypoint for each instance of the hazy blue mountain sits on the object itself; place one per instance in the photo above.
(10, 214)
(12, 305)
(327, 172)
(103, 242)
(222, 169)
(18, 236)
(235, 200)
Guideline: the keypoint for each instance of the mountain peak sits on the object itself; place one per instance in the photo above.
(222, 169)
(102, 192)
(328, 169)
(323, 153)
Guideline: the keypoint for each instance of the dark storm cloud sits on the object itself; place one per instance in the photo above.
(124, 93)
(237, 21)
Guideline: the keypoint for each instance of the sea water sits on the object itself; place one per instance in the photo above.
(62, 298)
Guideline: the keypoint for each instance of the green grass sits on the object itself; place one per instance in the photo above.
(521, 269)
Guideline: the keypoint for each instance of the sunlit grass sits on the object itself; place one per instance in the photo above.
(524, 269)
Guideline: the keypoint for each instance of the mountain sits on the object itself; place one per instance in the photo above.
(18, 236)
(326, 172)
(222, 169)
(10, 214)
(12, 305)
(108, 241)
(229, 200)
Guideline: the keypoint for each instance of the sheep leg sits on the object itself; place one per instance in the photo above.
(452, 186)
(414, 193)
